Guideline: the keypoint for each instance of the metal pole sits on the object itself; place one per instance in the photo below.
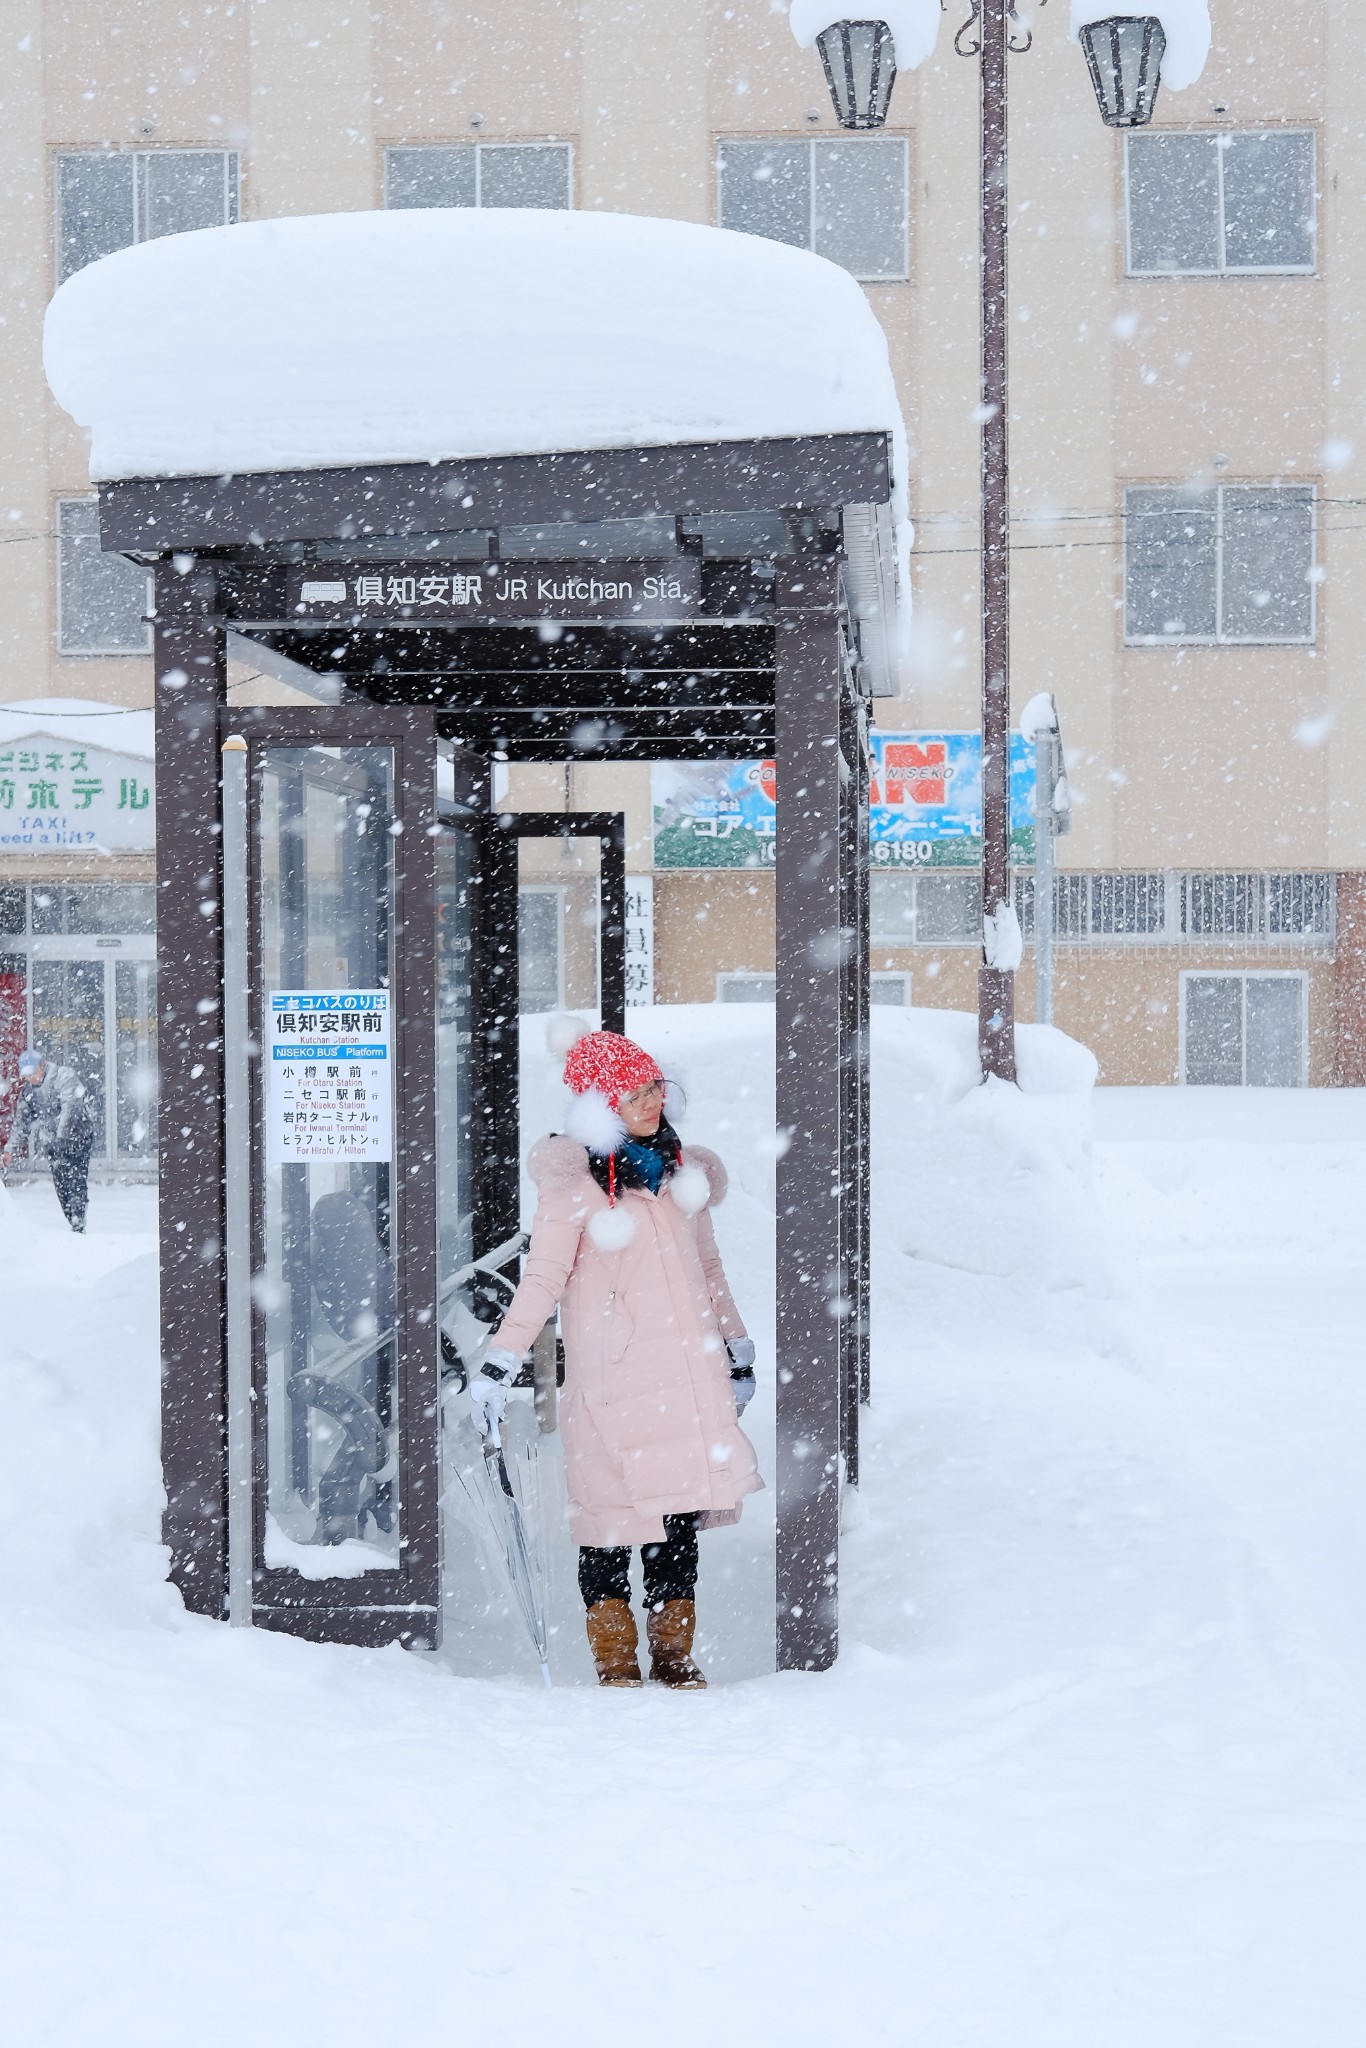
(1045, 771)
(810, 1101)
(995, 985)
(237, 1177)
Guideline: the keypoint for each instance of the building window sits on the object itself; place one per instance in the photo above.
(1104, 906)
(890, 989)
(1243, 1030)
(102, 600)
(1217, 201)
(1233, 564)
(109, 198)
(936, 909)
(1257, 906)
(534, 174)
(846, 200)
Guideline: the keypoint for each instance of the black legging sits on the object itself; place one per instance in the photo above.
(670, 1567)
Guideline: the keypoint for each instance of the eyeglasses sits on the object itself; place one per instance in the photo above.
(638, 1095)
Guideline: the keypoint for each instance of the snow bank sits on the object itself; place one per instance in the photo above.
(1073, 1780)
(914, 24)
(80, 1509)
(424, 336)
(989, 1181)
(1185, 23)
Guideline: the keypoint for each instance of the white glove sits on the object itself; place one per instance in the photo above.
(742, 1381)
(490, 1387)
(488, 1399)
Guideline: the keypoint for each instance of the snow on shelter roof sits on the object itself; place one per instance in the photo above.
(346, 339)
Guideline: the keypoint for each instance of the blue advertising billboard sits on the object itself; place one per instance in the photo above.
(924, 796)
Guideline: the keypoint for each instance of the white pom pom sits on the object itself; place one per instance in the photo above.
(593, 1122)
(691, 1189)
(563, 1032)
(611, 1229)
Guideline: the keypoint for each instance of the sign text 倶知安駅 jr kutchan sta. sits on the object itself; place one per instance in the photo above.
(924, 797)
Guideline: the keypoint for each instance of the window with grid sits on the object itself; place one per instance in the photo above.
(848, 199)
(1257, 906)
(1106, 906)
(106, 199)
(102, 600)
(533, 174)
(1231, 564)
(1219, 201)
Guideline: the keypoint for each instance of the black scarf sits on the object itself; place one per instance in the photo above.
(617, 1171)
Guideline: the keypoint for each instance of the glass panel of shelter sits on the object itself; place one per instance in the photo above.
(327, 1285)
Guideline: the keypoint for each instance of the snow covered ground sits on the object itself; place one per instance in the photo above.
(1088, 1774)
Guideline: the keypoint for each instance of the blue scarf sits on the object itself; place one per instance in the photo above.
(648, 1163)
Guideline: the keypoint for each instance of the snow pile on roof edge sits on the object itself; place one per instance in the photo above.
(82, 722)
(337, 339)
(914, 25)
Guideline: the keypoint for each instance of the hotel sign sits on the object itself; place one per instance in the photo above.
(57, 797)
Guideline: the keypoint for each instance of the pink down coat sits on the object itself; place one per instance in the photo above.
(647, 1412)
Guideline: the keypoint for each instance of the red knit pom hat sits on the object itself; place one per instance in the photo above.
(609, 1064)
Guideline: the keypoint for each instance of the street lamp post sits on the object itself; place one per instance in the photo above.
(996, 973)
(1124, 55)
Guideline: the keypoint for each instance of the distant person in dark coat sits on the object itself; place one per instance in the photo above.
(52, 1107)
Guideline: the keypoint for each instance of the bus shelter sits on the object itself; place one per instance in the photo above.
(336, 893)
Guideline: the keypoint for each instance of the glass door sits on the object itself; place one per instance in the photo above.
(135, 1058)
(342, 817)
(69, 1024)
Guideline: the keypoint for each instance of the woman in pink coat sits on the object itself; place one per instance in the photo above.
(658, 1368)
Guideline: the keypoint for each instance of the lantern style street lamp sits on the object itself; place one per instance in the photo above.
(1125, 58)
(1124, 55)
(860, 69)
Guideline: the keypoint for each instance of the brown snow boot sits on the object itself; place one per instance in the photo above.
(613, 1640)
(670, 1628)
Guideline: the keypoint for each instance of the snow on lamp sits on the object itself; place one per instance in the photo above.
(860, 69)
(1124, 56)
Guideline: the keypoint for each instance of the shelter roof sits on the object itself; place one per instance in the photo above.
(344, 340)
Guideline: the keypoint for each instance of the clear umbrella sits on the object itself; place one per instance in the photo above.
(501, 1512)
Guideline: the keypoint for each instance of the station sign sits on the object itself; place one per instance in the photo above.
(924, 806)
(58, 797)
(329, 1076)
(490, 593)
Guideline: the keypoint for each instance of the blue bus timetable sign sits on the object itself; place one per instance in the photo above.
(329, 1076)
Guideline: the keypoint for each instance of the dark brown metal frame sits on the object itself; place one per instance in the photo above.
(793, 659)
(497, 1063)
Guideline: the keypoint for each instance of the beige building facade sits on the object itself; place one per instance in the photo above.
(1188, 439)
